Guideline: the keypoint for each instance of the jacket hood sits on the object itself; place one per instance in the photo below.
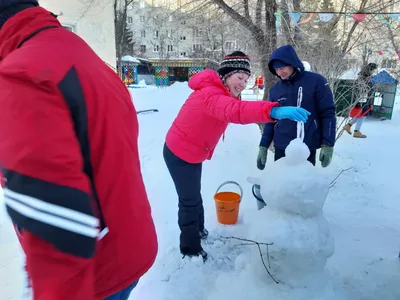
(288, 55)
(22, 26)
(206, 78)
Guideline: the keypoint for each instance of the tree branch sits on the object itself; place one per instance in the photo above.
(258, 12)
(246, 9)
(259, 250)
(333, 182)
(247, 23)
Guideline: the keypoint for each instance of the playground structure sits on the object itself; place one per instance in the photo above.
(168, 71)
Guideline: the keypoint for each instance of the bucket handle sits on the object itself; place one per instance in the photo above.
(235, 183)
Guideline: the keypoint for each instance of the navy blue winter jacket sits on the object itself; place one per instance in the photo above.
(320, 128)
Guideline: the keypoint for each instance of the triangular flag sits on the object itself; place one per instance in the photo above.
(395, 17)
(278, 21)
(295, 17)
(325, 17)
(379, 16)
(307, 19)
(359, 17)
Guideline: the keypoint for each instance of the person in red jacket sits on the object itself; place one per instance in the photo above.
(69, 155)
(195, 132)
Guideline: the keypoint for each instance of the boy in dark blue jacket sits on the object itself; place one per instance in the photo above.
(309, 90)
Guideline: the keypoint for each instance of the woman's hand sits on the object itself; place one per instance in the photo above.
(294, 113)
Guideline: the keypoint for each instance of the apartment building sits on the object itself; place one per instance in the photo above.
(167, 32)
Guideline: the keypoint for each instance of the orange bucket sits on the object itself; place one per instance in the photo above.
(227, 204)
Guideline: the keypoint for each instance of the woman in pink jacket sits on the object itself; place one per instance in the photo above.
(194, 134)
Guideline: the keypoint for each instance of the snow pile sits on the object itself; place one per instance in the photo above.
(299, 240)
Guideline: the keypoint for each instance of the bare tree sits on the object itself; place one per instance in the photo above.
(123, 36)
(216, 35)
(258, 18)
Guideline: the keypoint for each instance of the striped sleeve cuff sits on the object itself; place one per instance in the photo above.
(60, 215)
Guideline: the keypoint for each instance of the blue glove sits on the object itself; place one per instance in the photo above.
(293, 113)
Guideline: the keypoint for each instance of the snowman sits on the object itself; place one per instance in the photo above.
(293, 221)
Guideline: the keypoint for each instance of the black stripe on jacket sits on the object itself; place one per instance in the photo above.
(65, 217)
(61, 215)
(72, 91)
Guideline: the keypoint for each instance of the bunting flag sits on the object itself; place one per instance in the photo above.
(328, 16)
(278, 15)
(307, 20)
(325, 17)
(379, 16)
(359, 17)
(295, 17)
(381, 52)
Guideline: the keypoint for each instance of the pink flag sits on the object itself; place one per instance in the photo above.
(358, 17)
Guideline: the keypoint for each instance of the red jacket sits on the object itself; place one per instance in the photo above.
(259, 80)
(69, 154)
(205, 115)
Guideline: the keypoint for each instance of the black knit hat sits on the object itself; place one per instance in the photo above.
(233, 63)
(9, 8)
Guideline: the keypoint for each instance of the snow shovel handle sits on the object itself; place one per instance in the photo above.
(232, 182)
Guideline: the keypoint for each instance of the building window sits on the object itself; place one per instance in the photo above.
(156, 48)
(183, 38)
(183, 22)
(197, 47)
(142, 49)
(169, 33)
(197, 32)
(69, 27)
(229, 46)
(142, 19)
(130, 20)
(170, 48)
(155, 34)
(143, 33)
(183, 54)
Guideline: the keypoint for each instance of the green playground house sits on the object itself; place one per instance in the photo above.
(384, 87)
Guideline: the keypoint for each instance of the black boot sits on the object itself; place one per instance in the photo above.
(202, 253)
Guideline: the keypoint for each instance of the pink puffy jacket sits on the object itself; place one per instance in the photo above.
(205, 115)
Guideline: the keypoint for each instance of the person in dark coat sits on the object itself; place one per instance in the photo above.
(309, 90)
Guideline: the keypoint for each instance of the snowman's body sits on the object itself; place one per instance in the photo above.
(293, 220)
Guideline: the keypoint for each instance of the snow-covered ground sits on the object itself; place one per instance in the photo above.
(362, 209)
